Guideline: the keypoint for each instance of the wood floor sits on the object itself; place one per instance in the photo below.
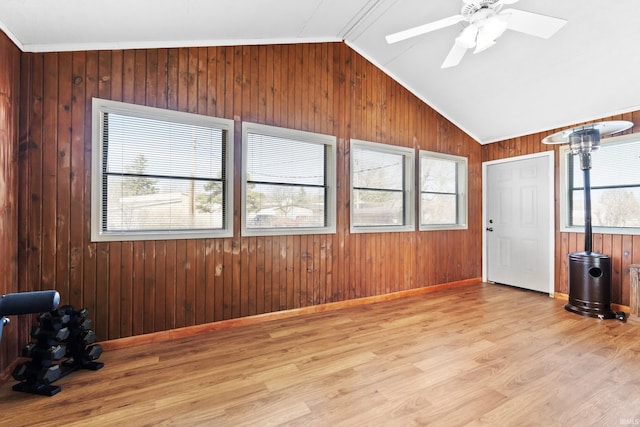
(474, 355)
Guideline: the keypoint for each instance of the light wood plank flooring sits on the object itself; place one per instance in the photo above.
(475, 355)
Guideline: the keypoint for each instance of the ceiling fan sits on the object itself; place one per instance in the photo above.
(485, 21)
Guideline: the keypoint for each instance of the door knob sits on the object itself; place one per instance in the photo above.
(489, 228)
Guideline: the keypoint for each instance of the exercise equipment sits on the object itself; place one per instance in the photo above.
(26, 303)
(62, 333)
(81, 350)
(63, 342)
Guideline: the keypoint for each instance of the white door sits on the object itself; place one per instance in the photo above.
(518, 219)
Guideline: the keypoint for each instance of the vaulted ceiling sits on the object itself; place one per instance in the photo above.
(524, 84)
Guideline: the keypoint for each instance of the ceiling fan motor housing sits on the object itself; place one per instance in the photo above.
(469, 9)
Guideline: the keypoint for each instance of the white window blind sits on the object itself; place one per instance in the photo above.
(615, 186)
(160, 174)
(289, 181)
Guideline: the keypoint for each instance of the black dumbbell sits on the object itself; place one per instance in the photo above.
(55, 352)
(82, 337)
(39, 332)
(54, 320)
(89, 337)
(93, 352)
(63, 310)
(85, 324)
(31, 373)
(82, 314)
(80, 351)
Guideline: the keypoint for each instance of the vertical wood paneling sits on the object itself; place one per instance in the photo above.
(62, 173)
(148, 291)
(32, 154)
(265, 261)
(49, 176)
(136, 294)
(170, 302)
(218, 300)
(11, 141)
(14, 240)
(297, 272)
(627, 251)
(180, 284)
(160, 287)
(141, 287)
(77, 177)
(191, 265)
(200, 307)
(227, 280)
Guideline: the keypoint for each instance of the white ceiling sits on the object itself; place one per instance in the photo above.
(522, 85)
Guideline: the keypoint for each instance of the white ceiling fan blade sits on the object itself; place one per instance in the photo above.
(533, 24)
(422, 29)
(508, 1)
(455, 56)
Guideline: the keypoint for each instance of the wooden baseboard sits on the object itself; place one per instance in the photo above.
(5, 375)
(188, 331)
(261, 318)
(614, 306)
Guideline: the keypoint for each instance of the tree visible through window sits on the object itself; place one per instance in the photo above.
(615, 186)
(289, 181)
(159, 174)
(443, 183)
(381, 187)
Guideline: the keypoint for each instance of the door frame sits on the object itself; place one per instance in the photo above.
(550, 155)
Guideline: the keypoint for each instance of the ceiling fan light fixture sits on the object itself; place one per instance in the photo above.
(489, 30)
(467, 37)
(483, 44)
(494, 26)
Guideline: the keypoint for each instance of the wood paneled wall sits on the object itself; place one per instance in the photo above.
(138, 287)
(9, 110)
(622, 249)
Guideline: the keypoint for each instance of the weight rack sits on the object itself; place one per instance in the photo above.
(61, 333)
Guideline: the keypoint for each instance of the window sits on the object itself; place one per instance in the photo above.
(382, 182)
(615, 187)
(289, 181)
(159, 174)
(443, 191)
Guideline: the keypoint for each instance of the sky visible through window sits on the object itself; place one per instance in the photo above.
(616, 167)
